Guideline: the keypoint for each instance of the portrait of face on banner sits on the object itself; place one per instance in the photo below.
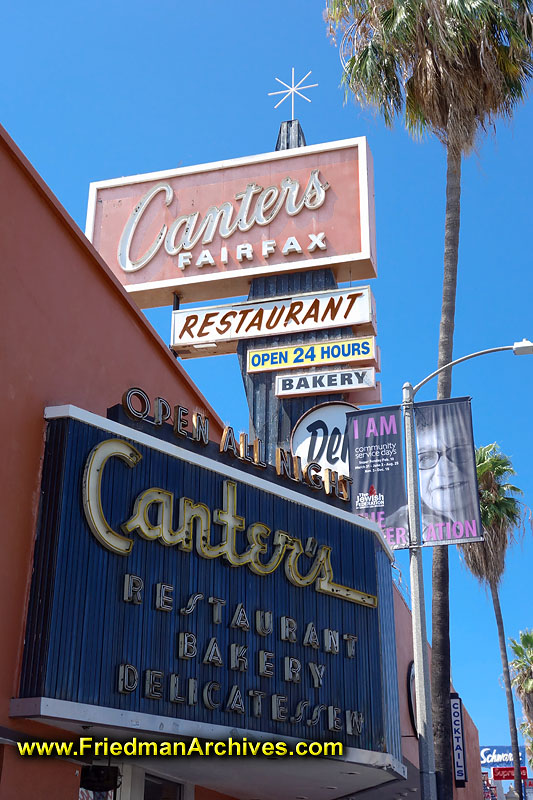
(375, 453)
(447, 472)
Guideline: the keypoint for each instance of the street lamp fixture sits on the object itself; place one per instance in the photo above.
(424, 717)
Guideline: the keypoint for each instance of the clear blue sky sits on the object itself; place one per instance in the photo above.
(99, 90)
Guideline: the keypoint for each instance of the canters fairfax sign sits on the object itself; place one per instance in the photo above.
(458, 739)
(217, 329)
(205, 231)
(207, 598)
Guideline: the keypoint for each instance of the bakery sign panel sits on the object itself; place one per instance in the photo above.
(208, 598)
(215, 330)
(205, 231)
(327, 382)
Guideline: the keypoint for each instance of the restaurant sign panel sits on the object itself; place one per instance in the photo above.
(199, 595)
(507, 773)
(216, 330)
(205, 231)
(499, 755)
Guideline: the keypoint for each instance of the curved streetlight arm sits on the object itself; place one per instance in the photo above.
(458, 361)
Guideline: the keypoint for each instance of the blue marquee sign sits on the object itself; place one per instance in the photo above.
(169, 585)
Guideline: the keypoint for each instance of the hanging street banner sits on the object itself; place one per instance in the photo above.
(330, 382)
(206, 231)
(447, 472)
(215, 330)
(329, 352)
(375, 452)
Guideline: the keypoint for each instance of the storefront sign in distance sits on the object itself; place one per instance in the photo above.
(217, 329)
(330, 382)
(491, 755)
(507, 773)
(325, 353)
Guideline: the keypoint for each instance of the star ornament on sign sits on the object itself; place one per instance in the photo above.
(293, 89)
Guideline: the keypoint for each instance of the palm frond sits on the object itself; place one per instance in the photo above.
(502, 516)
(449, 67)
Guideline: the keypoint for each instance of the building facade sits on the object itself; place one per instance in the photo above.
(124, 622)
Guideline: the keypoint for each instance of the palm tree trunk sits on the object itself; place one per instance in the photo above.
(508, 690)
(440, 662)
(449, 281)
(440, 674)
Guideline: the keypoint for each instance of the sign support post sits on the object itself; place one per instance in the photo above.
(271, 418)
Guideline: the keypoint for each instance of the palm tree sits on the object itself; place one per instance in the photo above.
(501, 517)
(450, 68)
(522, 679)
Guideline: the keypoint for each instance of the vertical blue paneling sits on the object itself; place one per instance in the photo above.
(389, 666)
(80, 629)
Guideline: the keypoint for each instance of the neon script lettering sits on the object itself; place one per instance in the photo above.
(258, 206)
(194, 524)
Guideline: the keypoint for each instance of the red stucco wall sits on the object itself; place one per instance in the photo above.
(37, 778)
(404, 656)
(69, 334)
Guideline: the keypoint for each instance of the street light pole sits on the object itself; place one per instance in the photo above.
(424, 717)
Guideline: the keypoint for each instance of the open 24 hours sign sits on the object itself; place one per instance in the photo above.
(216, 330)
(357, 349)
(205, 231)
